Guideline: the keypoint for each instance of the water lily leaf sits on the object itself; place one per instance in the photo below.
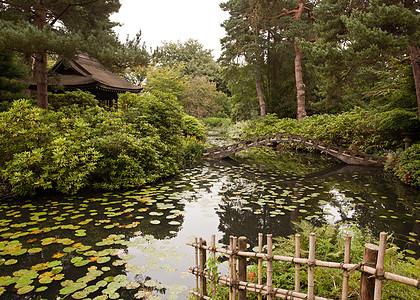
(10, 262)
(18, 252)
(7, 280)
(53, 264)
(34, 250)
(103, 259)
(25, 289)
(45, 280)
(41, 289)
(177, 288)
(80, 295)
(151, 283)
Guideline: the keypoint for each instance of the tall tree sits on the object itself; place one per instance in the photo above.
(289, 20)
(245, 41)
(64, 27)
(358, 37)
(12, 72)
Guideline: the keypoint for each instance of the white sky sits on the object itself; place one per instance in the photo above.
(172, 20)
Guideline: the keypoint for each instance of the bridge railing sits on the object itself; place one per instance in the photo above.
(224, 151)
(371, 269)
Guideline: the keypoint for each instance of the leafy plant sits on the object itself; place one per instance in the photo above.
(406, 165)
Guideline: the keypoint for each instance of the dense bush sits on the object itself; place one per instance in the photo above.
(406, 166)
(358, 129)
(80, 144)
(193, 127)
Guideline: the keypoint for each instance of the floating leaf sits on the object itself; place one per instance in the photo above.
(34, 250)
(25, 289)
(104, 259)
(10, 262)
(41, 289)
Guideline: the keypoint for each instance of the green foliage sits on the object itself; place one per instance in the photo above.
(80, 144)
(192, 127)
(167, 79)
(201, 98)
(216, 122)
(12, 71)
(197, 60)
(359, 129)
(406, 166)
(79, 98)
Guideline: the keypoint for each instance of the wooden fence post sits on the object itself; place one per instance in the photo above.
(380, 266)
(297, 266)
(367, 284)
(213, 245)
(242, 267)
(345, 290)
(270, 267)
(197, 284)
(260, 260)
(203, 287)
(311, 267)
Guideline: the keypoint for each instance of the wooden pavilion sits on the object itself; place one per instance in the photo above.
(88, 74)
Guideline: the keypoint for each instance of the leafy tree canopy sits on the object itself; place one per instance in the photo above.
(197, 60)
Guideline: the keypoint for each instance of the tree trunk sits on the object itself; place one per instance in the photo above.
(415, 62)
(260, 96)
(300, 87)
(41, 58)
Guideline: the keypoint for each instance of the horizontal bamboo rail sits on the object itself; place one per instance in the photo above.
(239, 284)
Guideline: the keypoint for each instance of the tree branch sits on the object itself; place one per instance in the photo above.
(67, 7)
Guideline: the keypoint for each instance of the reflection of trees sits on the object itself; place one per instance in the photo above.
(367, 192)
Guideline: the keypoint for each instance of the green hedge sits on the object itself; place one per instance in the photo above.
(359, 129)
(80, 144)
(406, 166)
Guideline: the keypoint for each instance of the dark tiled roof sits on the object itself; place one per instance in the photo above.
(84, 71)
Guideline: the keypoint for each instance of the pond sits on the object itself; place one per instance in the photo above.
(131, 244)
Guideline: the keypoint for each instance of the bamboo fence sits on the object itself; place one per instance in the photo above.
(371, 269)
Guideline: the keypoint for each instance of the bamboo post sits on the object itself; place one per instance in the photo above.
(269, 267)
(380, 266)
(203, 288)
(234, 257)
(242, 267)
(311, 267)
(345, 291)
(196, 265)
(367, 284)
(297, 266)
(260, 260)
(232, 268)
(213, 245)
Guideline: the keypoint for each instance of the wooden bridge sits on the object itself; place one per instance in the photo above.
(348, 156)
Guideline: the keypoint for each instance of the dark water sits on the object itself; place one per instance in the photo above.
(131, 244)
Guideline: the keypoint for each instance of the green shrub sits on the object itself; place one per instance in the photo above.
(216, 122)
(192, 127)
(192, 150)
(406, 166)
(73, 147)
(78, 97)
(359, 129)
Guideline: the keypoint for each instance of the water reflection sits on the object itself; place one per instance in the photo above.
(141, 234)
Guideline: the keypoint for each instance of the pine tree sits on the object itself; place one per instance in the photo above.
(63, 27)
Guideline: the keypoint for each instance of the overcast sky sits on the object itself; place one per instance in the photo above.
(173, 20)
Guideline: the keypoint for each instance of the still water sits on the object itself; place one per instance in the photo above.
(131, 244)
